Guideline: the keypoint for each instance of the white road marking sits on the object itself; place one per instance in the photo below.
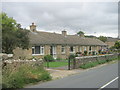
(108, 83)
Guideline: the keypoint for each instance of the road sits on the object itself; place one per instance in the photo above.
(100, 77)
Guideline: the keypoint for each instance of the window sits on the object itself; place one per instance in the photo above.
(90, 48)
(80, 49)
(72, 49)
(85, 48)
(33, 50)
(38, 50)
(42, 50)
(63, 49)
(54, 49)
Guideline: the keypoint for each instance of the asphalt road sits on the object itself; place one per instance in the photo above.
(101, 77)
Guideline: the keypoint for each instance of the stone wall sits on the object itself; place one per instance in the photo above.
(16, 63)
(83, 60)
(20, 53)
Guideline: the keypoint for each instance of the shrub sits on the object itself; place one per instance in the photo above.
(76, 55)
(89, 53)
(93, 52)
(85, 53)
(22, 75)
(72, 56)
(99, 51)
(48, 58)
(79, 53)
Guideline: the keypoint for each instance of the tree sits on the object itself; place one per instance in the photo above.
(12, 35)
(80, 32)
(117, 45)
(102, 38)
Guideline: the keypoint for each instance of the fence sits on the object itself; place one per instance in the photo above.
(74, 64)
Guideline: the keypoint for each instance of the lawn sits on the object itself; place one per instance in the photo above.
(56, 64)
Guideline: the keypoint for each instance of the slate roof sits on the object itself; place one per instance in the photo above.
(110, 39)
(37, 38)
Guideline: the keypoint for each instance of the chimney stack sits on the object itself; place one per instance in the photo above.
(82, 35)
(64, 33)
(33, 27)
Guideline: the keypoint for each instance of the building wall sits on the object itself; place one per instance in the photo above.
(47, 49)
(65, 55)
(110, 44)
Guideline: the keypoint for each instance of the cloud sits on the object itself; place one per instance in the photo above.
(90, 17)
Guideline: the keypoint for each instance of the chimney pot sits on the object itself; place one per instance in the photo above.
(33, 27)
(64, 33)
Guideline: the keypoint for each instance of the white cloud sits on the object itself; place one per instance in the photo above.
(90, 17)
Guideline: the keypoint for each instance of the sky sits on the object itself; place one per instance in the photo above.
(93, 18)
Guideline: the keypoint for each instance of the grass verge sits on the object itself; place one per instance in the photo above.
(95, 63)
(19, 76)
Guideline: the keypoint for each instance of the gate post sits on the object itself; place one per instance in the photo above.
(69, 64)
(74, 63)
(47, 63)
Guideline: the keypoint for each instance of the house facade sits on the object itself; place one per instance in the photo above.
(61, 45)
(111, 41)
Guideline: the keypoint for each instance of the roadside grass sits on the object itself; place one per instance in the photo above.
(98, 62)
(18, 77)
(56, 64)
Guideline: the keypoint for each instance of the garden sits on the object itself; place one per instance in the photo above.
(49, 61)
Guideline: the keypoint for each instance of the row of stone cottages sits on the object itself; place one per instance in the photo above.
(61, 45)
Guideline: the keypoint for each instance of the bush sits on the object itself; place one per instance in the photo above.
(22, 75)
(48, 58)
(99, 51)
(72, 57)
(85, 53)
(93, 52)
(89, 53)
(78, 52)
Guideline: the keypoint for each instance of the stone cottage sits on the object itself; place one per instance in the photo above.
(61, 45)
(111, 41)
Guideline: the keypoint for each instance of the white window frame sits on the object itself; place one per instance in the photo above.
(85, 48)
(63, 48)
(54, 50)
(91, 48)
(41, 50)
(73, 49)
(80, 49)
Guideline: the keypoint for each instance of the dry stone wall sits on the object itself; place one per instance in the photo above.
(83, 60)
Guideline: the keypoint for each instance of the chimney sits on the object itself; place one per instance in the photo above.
(64, 33)
(82, 35)
(33, 27)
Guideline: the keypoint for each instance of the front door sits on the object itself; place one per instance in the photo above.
(53, 51)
